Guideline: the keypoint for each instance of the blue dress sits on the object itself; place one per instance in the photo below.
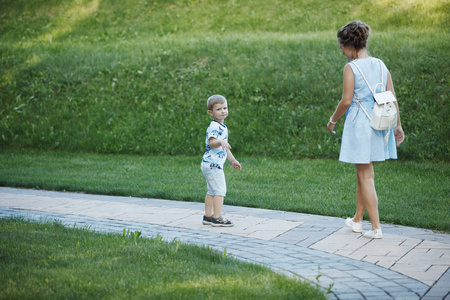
(360, 143)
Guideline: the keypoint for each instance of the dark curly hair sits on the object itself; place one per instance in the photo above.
(354, 34)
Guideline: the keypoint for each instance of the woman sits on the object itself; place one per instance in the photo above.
(362, 145)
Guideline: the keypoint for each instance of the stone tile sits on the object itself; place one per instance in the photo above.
(342, 239)
(158, 219)
(258, 224)
(426, 275)
(9, 200)
(349, 296)
(411, 242)
(441, 288)
(423, 257)
(192, 221)
(75, 207)
(37, 203)
(245, 221)
(265, 234)
(433, 245)
(350, 254)
(405, 296)
(386, 262)
(290, 237)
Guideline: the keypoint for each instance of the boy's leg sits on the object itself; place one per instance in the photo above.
(209, 200)
(217, 205)
(216, 184)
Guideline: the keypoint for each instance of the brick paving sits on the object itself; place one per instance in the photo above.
(408, 263)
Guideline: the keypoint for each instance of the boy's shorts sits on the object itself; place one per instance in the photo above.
(215, 181)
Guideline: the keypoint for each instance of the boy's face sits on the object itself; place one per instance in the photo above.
(219, 112)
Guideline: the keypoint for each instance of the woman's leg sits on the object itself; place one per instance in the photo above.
(365, 175)
(360, 208)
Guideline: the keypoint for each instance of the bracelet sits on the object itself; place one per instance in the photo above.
(334, 123)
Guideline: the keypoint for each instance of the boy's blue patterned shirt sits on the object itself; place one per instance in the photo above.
(215, 157)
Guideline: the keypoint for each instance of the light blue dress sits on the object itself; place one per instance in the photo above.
(360, 143)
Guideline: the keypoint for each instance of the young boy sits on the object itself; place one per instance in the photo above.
(217, 151)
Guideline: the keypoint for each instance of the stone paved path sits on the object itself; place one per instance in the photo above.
(408, 263)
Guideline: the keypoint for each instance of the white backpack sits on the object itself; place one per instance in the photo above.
(384, 114)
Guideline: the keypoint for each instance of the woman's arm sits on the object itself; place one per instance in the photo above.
(347, 96)
(398, 131)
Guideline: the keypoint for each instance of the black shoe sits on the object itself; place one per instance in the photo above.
(221, 222)
(207, 220)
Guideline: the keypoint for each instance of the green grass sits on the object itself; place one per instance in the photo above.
(133, 77)
(50, 261)
(410, 193)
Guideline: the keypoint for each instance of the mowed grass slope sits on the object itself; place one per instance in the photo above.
(133, 76)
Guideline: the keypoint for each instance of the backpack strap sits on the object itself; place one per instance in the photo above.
(364, 77)
(362, 107)
(356, 98)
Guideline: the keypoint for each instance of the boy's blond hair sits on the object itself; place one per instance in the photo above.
(214, 99)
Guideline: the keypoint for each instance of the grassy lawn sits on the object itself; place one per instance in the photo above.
(410, 193)
(50, 261)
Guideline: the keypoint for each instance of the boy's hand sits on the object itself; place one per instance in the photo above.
(225, 145)
(236, 165)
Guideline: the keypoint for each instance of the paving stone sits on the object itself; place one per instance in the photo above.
(404, 295)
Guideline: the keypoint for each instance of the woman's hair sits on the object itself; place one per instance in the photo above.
(214, 99)
(354, 34)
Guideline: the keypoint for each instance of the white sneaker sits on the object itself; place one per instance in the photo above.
(355, 226)
(373, 234)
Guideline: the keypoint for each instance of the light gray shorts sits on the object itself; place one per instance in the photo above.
(215, 181)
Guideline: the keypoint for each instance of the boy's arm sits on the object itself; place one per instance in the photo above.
(233, 161)
(215, 143)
